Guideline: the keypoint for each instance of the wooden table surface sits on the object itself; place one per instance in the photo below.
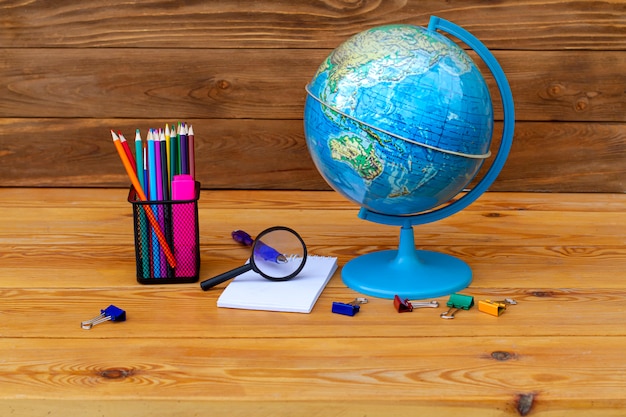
(67, 253)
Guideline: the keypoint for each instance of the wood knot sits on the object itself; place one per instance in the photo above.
(501, 355)
(543, 293)
(223, 84)
(116, 373)
(581, 104)
(556, 90)
(492, 215)
(524, 403)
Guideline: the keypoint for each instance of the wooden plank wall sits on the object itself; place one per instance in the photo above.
(236, 69)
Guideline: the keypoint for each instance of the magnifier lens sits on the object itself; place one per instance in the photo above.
(278, 254)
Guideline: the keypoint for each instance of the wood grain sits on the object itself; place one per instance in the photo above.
(509, 24)
(67, 253)
(269, 84)
(228, 155)
(237, 69)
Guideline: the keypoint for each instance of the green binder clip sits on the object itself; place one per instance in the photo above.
(457, 302)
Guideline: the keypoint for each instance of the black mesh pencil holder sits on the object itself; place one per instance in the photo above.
(167, 239)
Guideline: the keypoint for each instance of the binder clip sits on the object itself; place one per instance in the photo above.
(495, 308)
(348, 309)
(457, 302)
(111, 313)
(405, 306)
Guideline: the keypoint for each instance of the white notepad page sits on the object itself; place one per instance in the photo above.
(253, 292)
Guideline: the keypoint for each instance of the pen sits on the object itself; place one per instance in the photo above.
(242, 237)
(267, 253)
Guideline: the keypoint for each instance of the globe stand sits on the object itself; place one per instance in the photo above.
(412, 273)
(407, 272)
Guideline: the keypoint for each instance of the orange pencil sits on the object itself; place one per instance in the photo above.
(135, 181)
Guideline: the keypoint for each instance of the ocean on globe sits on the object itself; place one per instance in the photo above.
(398, 119)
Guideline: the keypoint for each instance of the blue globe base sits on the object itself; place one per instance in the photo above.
(406, 272)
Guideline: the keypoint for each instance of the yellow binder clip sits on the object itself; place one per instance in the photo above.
(495, 308)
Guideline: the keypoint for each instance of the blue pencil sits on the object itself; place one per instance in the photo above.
(156, 251)
(156, 136)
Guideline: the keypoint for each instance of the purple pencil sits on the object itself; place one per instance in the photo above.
(192, 152)
(159, 167)
(165, 182)
(159, 193)
(184, 149)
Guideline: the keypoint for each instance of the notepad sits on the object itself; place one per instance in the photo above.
(251, 291)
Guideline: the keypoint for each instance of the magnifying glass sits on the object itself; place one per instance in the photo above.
(278, 254)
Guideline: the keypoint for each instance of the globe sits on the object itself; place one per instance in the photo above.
(399, 120)
(404, 119)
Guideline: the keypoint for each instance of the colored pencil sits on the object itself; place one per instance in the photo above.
(153, 196)
(184, 149)
(192, 152)
(165, 178)
(126, 148)
(167, 209)
(139, 158)
(158, 167)
(142, 197)
(146, 179)
(143, 229)
(168, 151)
(174, 153)
(161, 173)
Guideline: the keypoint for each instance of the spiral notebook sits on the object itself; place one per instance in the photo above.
(251, 291)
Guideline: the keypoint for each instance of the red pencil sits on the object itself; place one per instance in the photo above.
(126, 148)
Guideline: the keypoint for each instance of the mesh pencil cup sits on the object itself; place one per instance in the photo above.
(177, 239)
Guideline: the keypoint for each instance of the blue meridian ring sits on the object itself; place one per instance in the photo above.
(503, 151)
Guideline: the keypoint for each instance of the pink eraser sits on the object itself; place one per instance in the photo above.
(183, 187)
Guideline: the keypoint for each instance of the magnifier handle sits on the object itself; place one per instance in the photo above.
(216, 280)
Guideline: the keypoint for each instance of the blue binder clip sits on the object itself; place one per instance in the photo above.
(111, 313)
(348, 309)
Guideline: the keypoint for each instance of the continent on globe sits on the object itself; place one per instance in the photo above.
(349, 149)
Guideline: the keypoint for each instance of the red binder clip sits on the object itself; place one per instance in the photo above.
(404, 306)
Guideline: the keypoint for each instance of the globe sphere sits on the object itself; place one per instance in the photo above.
(398, 119)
